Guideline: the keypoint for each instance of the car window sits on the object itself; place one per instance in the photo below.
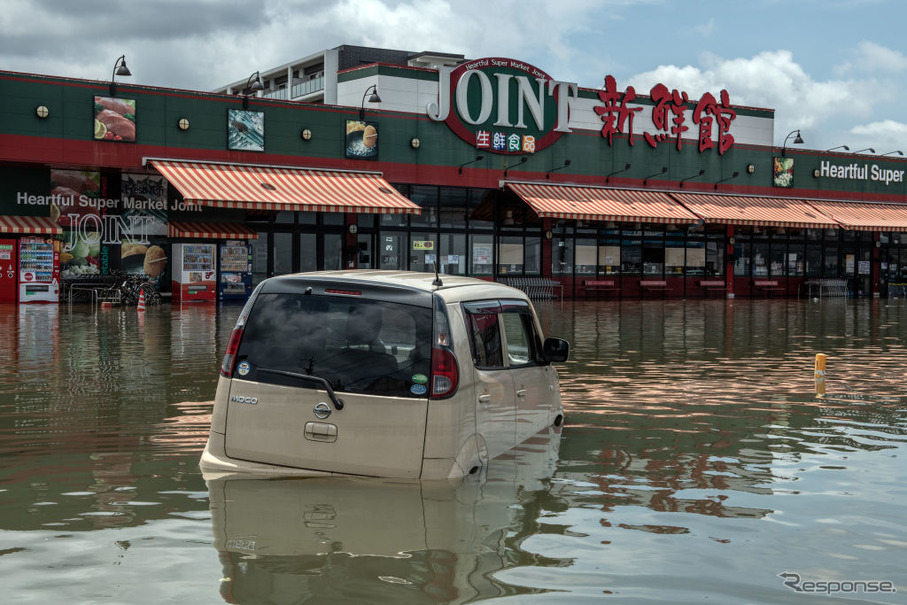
(522, 340)
(357, 345)
(484, 328)
(487, 321)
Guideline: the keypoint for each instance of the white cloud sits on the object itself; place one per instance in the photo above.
(885, 135)
(870, 56)
(772, 80)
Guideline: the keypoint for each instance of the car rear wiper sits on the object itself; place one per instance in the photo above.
(338, 403)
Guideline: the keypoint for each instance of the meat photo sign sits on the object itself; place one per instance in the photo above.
(114, 119)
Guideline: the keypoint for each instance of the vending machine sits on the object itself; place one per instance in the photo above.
(235, 271)
(8, 283)
(39, 270)
(194, 272)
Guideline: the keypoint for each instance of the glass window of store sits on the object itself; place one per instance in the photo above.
(796, 253)
(586, 257)
(452, 253)
(609, 252)
(533, 259)
(423, 251)
(743, 252)
(392, 253)
(333, 251)
(481, 261)
(510, 255)
(453, 208)
(561, 255)
(427, 198)
(778, 253)
(308, 252)
(260, 258)
(282, 252)
(831, 263)
(714, 250)
(760, 253)
(653, 251)
(631, 251)
(364, 252)
(675, 251)
(695, 252)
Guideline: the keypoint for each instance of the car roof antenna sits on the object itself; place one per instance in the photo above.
(437, 281)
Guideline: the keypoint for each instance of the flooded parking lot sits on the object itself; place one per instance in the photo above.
(697, 462)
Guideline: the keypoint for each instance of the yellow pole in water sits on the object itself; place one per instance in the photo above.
(820, 374)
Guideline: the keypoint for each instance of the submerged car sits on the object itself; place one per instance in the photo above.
(382, 374)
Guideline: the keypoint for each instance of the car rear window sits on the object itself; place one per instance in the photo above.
(358, 345)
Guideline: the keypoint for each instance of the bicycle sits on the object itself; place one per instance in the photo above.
(129, 287)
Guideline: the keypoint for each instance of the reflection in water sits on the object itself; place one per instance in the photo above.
(697, 461)
(371, 540)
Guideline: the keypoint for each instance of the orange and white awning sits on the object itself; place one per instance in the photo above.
(29, 225)
(597, 204)
(756, 211)
(858, 216)
(197, 230)
(253, 187)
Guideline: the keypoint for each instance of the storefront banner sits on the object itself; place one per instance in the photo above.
(245, 130)
(146, 196)
(361, 140)
(783, 172)
(114, 119)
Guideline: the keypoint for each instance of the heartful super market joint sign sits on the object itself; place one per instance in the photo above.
(503, 105)
(508, 106)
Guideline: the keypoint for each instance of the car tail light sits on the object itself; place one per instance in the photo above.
(444, 373)
(226, 368)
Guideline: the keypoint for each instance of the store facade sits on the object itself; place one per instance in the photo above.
(491, 168)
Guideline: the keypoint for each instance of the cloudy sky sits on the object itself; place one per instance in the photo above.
(833, 68)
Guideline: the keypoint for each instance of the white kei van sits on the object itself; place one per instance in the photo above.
(383, 374)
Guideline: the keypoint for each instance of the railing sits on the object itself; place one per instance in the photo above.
(307, 88)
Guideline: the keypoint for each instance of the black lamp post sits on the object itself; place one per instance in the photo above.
(372, 99)
(253, 84)
(119, 69)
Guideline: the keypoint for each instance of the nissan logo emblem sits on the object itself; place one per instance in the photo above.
(322, 410)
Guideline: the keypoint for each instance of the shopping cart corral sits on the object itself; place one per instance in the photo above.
(824, 287)
(535, 287)
(86, 288)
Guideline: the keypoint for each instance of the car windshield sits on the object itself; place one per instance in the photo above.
(357, 345)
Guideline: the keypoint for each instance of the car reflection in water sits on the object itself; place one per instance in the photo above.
(346, 539)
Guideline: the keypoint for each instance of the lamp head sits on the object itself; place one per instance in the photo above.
(122, 70)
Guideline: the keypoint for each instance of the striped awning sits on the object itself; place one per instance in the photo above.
(858, 216)
(196, 230)
(757, 211)
(268, 188)
(29, 225)
(597, 204)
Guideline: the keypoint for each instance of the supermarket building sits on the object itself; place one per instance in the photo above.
(490, 167)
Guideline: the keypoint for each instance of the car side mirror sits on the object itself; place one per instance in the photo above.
(556, 350)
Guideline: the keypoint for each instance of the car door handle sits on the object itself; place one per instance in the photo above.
(485, 398)
(521, 393)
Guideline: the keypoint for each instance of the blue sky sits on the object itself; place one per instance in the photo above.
(833, 68)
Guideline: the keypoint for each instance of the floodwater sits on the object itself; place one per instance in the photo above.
(697, 464)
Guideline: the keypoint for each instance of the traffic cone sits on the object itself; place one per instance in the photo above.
(142, 299)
